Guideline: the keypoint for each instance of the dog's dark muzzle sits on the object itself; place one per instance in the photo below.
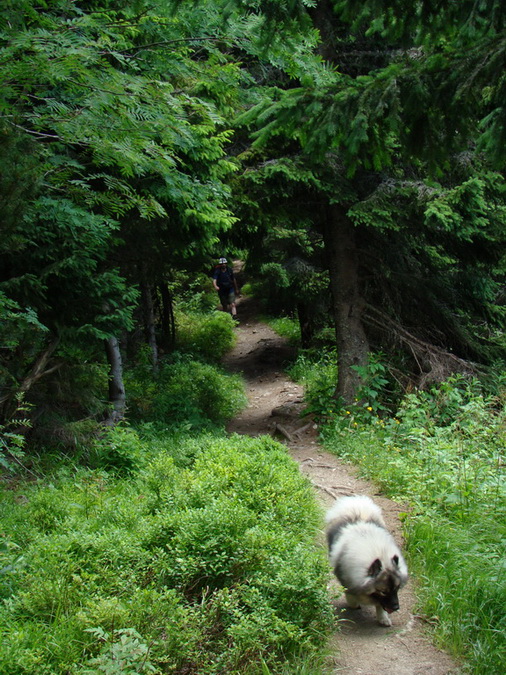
(390, 605)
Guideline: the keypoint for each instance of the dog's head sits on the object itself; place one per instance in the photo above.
(386, 582)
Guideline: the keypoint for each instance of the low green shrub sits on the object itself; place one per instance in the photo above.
(123, 651)
(318, 373)
(186, 392)
(206, 335)
(193, 294)
(446, 404)
(12, 440)
(192, 564)
(117, 449)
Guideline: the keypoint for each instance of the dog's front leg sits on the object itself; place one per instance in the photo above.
(382, 616)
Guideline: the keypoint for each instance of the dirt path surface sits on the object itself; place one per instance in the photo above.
(361, 646)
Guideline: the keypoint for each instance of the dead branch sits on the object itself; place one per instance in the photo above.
(323, 466)
(435, 364)
(39, 369)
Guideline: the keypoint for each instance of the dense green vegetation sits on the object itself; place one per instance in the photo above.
(352, 155)
(162, 545)
(188, 565)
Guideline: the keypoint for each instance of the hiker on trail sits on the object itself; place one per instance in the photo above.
(226, 285)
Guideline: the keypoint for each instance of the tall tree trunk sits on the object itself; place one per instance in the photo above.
(116, 387)
(339, 239)
(168, 322)
(148, 314)
(348, 305)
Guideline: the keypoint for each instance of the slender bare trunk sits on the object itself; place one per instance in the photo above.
(149, 320)
(116, 387)
(348, 305)
(168, 321)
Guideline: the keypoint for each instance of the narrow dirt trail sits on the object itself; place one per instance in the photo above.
(360, 646)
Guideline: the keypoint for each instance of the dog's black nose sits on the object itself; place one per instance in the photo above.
(391, 605)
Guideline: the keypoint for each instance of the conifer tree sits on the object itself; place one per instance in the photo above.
(390, 117)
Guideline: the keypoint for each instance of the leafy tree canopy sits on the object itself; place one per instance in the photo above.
(112, 123)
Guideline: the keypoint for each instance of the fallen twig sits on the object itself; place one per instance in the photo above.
(325, 489)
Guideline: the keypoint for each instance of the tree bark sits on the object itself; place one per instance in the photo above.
(340, 246)
(348, 305)
(168, 321)
(324, 20)
(116, 387)
(148, 314)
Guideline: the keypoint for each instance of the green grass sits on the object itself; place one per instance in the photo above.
(286, 327)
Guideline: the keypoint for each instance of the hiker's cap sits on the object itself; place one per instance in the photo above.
(223, 261)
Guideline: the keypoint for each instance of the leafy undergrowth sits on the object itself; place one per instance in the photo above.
(284, 326)
(443, 454)
(186, 391)
(201, 559)
(209, 334)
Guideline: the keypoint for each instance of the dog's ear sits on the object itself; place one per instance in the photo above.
(375, 568)
(395, 560)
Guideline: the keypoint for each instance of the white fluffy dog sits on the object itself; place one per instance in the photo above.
(364, 556)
